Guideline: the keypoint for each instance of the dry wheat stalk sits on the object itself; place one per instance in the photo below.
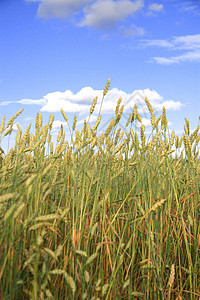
(134, 114)
(93, 105)
(151, 111)
(164, 120)
(2, 125)
(109, 128)
(139, 118)
(64, 115)
(172, 138)
(171, 279)
(97, 123)
(129, 120)
(74, 122)
(118, 105)
(51, 118)
(106, 88)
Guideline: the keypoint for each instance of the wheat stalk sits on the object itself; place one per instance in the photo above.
(151, 111)
(164, 119)
(171, 279)
(93, 105)
(118, 105)
(134, 114)
(106, 88)
(74, 122)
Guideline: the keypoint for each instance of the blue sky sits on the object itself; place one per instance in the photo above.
(59, 54)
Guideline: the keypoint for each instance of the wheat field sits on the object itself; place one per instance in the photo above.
(106, 215)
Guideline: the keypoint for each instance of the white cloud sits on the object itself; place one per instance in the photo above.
(169, 105)
(164, 60)
(156, 43)
(190, 44)
(190, 6)
(92, 119)
(99, 14)
(80, 102)
(5, 103)
(155, 7)
(32, 102)
(59, 8)
(57, 124)
(70, 102)
(187, 42)
(132, 31)
(193, 56)
(146, 122)
(105, 14)
(15, 128)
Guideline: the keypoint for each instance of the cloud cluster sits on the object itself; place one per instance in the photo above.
(99, 14)
(81, 101)
(133, 30)
(156, 7)
(103, 14)
(59, 8)
(57, 124)
(190, 6)
(189, 45)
